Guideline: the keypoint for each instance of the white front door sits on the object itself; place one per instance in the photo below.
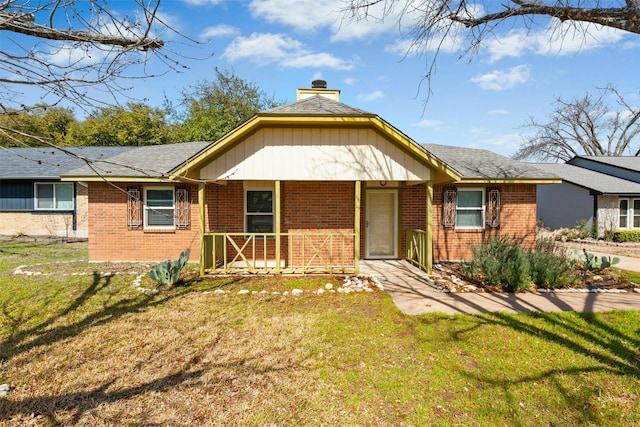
(382, 224)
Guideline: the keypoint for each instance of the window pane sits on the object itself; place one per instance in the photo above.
(160, 198)
(469, 219)
(159, 217)
(260, 223)
(45, 196)
(624, 206)
(260, 201)
(64, 196)
(470, 199)
(636, 213)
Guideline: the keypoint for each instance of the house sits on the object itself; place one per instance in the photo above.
(312, 186)
(601, 191)
(33, 200)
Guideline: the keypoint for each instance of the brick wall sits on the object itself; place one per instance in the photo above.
(517, 219)
(111, 239)
(306, 207)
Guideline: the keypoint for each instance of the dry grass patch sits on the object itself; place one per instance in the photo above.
(93, 350)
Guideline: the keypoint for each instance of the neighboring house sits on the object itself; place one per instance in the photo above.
(33, 200)
(594, 189)
(312, 186)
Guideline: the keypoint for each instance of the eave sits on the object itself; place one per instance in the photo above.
(536, 181)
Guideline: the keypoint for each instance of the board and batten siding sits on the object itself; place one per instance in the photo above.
(309, 154)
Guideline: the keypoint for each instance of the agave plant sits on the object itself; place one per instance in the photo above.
(168, 272)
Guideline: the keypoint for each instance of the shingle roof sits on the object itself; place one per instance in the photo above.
(592, 180)
(627, 162)
(317, 105)
(49, 162)
(477, 163)
(149, 161)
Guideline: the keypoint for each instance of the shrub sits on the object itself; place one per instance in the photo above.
(501, 262)
(626, 236)
(550, 266)
(504, 263)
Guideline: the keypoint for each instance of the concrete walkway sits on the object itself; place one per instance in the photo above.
(412, 295)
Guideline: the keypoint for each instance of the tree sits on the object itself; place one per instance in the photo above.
(52, 124)
(135, 124)
(437, 22)
(210, 109)
(72, 50)
(585, 126)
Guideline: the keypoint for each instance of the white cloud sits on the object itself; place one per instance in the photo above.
(313, 15)
(501, 80)
(558, 38)
(69, 55)
(221, 30)
(349, 81)
(262, 48)
(498, 112)
(304, 15)
(428, 123)
(266, 49)
(373, 96)
(202, 2)
(317, 60)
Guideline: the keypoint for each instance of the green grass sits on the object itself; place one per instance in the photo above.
(91, 349)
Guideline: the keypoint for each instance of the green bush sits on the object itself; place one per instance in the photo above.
(626, 236)
(504, 263)
(550, 267)
(501, 262)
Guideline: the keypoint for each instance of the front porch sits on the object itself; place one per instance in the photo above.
(298, 253)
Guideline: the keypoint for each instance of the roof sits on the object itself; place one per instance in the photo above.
(49, 162)
(474, 164)
(317, 105)
(626, 162)
(151, 161)
(592, 180)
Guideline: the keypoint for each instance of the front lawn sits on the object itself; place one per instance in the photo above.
(80, 346)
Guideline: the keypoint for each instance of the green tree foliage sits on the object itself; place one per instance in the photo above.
(134, 124)
(212, 108)
(29, 125)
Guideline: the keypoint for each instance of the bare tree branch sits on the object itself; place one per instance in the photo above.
(586, 125)
(432, 23)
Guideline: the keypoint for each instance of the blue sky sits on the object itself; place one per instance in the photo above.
(281, 45)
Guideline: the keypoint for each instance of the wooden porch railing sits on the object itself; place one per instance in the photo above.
(417, 250)
(307, 252)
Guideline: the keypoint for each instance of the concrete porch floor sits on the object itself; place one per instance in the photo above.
(412, 295)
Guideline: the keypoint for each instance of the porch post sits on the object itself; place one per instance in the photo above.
(201, 224)
(276, 195)
(356, 227)
(429, 230)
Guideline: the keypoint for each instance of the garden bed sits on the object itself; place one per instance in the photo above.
(449, 277)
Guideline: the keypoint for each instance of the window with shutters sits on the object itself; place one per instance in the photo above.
(467, 208)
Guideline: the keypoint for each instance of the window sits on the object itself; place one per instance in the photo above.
(259, 211)
(470, 208)
(159, 208)
(54, 196)
(629, 216)
(465, 208)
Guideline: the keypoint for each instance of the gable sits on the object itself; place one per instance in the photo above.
(316, 153)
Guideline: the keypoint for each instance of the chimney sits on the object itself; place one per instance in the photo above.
(318, 87)
(319, 84)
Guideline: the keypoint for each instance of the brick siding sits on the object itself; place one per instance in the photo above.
(517, 219)
(310, 206)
